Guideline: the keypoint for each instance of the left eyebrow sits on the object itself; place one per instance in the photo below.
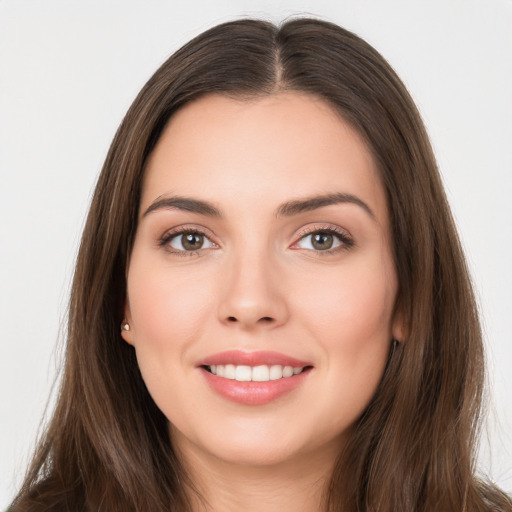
(313, 203)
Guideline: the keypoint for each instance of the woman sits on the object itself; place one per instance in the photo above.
(270, 307)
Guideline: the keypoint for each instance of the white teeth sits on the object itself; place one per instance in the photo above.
(243, 373)
(262, 373)
(276, 372)
(287, 371)
(229, 371)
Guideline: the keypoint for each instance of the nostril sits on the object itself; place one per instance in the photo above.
(264, 319)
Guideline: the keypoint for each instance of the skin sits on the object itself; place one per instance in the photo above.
(258, 283)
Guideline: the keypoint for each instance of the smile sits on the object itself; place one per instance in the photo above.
(261, 373)
(254, 378)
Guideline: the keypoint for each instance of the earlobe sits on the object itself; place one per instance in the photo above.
(399, 330)
(126, 331)
(127, 325)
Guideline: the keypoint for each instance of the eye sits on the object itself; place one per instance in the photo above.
(188, 241)
(324, 240)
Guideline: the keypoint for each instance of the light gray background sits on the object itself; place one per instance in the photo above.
(70, 69)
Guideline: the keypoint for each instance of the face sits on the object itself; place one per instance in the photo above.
(261, 285)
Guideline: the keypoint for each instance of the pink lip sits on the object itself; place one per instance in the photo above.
(238, 358)
(253, 393)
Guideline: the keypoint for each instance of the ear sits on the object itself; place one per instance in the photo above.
(399, 328)
(127, 330)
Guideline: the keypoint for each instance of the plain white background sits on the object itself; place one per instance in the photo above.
(70, 69)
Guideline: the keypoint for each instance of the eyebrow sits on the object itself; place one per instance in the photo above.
(312, 203)
(184, 203)
(287, 209)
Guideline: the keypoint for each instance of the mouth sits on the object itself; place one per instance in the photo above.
(260, 373)
(254, 378)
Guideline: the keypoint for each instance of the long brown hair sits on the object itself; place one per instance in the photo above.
(107, 446)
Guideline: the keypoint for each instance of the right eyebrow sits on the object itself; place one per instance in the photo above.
(185, 204)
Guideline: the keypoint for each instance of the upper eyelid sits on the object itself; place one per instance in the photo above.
(187, 228)
(315, 228)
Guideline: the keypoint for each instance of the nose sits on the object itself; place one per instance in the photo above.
(252, 293)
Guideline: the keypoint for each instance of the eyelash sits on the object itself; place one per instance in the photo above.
(346, 241)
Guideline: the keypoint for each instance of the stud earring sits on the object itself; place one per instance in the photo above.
(125, 326)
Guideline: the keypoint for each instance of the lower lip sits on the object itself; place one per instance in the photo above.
(253, 393)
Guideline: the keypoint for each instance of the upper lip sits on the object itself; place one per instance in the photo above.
(258, 358)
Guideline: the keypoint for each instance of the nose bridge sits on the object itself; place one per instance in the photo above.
(251, 289)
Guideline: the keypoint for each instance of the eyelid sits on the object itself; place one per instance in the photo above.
(322, 226)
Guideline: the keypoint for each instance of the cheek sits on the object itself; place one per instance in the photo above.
(349, 313)
(167, 308)
(350, 319)
(354, 304)
(168, 312)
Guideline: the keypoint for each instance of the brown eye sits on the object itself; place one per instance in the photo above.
(192, 241)
(322, 241)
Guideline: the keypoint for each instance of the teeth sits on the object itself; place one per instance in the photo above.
(262, 373)
(243, 373)
(276, 372)
(229, 371)
(287, 371)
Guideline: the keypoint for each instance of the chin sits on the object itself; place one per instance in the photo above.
(256, 444)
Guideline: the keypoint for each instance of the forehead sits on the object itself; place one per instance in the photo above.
(263, 150)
